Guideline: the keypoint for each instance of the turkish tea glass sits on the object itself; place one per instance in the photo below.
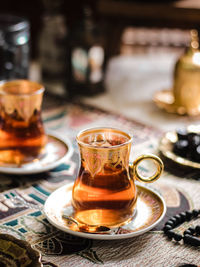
(22, 135)
(104, 193)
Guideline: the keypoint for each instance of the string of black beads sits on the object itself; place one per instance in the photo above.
(188, 235)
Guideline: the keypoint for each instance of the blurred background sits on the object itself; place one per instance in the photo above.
(113, 54)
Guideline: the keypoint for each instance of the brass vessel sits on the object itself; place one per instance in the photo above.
(184, 97)
(186, 88)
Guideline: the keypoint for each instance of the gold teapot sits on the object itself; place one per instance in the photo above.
(186, 88)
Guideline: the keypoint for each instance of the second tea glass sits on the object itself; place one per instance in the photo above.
(22, 135)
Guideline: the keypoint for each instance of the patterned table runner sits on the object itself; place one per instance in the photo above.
(180, 188)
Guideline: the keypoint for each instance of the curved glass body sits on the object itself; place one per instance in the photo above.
(104, 193)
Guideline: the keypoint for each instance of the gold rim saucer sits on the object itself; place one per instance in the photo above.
(164, 99)
(166, 148)
(151, 209)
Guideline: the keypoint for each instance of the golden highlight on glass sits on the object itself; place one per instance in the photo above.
(104, 193)
(22, 136)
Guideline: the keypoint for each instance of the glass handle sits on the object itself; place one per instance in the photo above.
(155, 176)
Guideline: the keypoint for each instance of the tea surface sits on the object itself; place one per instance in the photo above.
(107, 139)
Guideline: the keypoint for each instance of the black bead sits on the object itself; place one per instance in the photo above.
(182, 134)
(187, 232)
(192, 230)
(188, 215)
(196, 154)
(177, 237)
(197, 229)
(191, 136)
(170, 234)
(181, 147)
(170, 223)
(195, 213)
(187, 239)
(172, 219)
(167, 228)
(194, 241)
(183, 216)
(195, 140)
(178, 218)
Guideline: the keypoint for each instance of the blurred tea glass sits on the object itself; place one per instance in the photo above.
(14, 47)
(22, 135)
(104, 193)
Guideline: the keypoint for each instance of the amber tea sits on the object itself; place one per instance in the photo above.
(106, 199)
(22, 136)
(104, 193)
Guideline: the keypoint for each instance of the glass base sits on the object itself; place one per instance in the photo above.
(104, 217)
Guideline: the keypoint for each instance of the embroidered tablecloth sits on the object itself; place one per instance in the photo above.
(179, 187)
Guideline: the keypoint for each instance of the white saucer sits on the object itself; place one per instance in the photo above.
(151, 209)
(57, 151)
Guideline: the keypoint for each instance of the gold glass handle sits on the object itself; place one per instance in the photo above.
(154, 177)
